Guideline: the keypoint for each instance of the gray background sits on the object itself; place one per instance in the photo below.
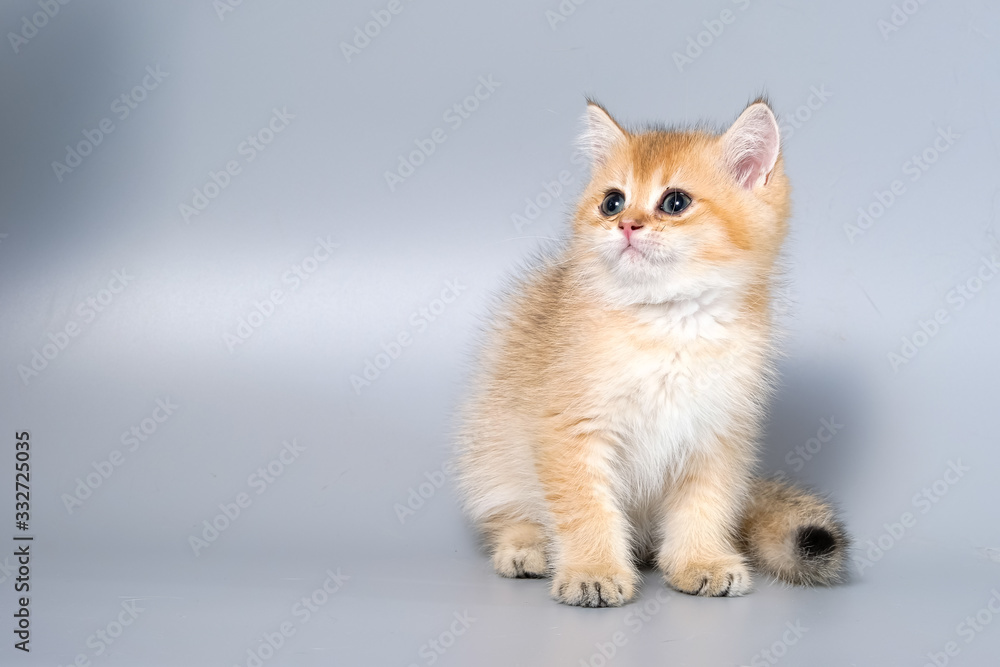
(849, 303)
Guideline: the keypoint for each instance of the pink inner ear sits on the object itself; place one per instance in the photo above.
(748, 170)
(752, 147)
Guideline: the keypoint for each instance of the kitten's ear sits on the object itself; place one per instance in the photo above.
(600, 134)
(750, 147)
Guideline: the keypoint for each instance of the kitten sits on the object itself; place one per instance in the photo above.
(618, 405)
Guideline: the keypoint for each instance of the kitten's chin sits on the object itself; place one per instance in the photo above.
(643, 257)
(642, 264)
(637, 274)
(634, 278)
(631, 252)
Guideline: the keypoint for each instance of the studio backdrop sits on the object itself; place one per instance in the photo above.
(247, 249)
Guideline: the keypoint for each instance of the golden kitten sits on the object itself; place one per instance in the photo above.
(618, 405)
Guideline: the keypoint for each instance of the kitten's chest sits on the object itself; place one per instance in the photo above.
(683, 380)
(669, 398)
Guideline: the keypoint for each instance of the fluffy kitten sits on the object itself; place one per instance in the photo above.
(618, 405)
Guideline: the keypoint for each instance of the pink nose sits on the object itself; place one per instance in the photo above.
(628, 227)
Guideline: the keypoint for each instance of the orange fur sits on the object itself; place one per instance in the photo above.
(616, 412)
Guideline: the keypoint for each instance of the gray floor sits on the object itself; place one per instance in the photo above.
(196, 278)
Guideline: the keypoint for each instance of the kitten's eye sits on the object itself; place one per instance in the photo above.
(675, 202)
(613, 203)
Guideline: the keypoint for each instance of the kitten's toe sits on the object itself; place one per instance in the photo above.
(719, 577)
(594, 586)
(520, 561)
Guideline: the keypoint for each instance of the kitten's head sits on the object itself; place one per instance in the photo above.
(678, 215)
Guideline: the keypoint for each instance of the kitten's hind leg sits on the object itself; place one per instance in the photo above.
(518, 547)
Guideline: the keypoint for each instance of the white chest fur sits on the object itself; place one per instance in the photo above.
(666, 397)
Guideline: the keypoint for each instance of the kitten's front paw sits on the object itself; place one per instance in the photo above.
(594, 586)
(520, 561)
(720, 577)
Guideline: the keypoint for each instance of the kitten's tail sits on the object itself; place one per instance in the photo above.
(793, 535)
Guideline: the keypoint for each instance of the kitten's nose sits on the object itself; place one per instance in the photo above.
(629, 226)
